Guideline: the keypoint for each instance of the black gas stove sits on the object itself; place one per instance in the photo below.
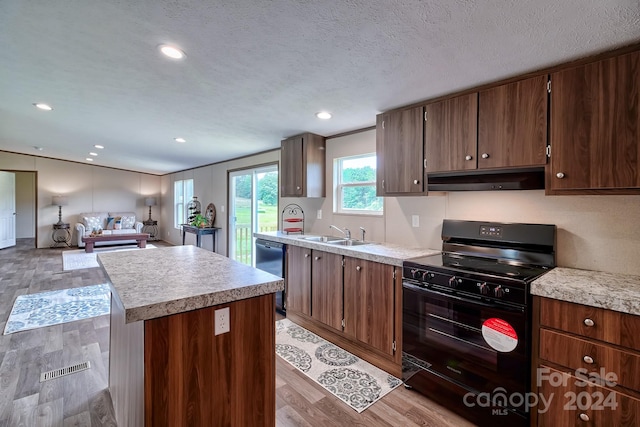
(467, 316)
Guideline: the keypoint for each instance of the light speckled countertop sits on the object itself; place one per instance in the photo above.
(163, 281)
(384, 253)
(619, 292)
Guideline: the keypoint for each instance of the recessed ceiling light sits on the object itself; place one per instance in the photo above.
(93, 154)
(42, 106)
(323, 115)
(171, 51)
(35, 147)
(180, 140)
(99, 147)
(89, 159)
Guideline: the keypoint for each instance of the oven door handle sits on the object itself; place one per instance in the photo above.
(457, 298)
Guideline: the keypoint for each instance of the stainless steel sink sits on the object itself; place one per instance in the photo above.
(322, 239)
(348, 242)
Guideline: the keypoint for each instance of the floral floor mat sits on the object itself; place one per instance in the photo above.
(54, 307)
(354, 381)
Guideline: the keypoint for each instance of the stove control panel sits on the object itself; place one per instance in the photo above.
(465, 283)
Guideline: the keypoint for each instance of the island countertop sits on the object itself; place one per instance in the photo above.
(159, 282)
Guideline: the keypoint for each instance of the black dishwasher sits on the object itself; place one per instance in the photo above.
(270, 258)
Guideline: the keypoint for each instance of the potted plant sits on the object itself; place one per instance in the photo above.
(199, 221)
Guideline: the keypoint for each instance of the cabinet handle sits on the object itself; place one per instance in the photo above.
(468, 157)
(589, 322)
(306, 255)
(298, 187)
(383, 124)
(383, 184)
(415, 181)
(560, 175)
(358, 268)
(588, 359)
(317, 258)
(485, 155)
(584, 417)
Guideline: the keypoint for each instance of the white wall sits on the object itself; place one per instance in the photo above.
(89, 188)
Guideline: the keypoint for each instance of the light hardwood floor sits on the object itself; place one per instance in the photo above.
(82, 399)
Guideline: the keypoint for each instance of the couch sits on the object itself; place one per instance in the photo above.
(109, 223)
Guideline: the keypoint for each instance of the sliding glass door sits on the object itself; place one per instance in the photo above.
(253, 207)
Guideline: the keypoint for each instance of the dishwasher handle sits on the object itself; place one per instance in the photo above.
(269, 244)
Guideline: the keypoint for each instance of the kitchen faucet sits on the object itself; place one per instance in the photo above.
(362, 230)
(346, 231)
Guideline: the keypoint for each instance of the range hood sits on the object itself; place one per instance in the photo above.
(486, 180)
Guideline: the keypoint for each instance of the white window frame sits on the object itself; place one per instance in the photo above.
(339, 186)
(182, 195)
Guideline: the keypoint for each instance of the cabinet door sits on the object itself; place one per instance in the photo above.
(574, 403)
(326, 288)
(450, 134)
(380, 147)
(292, 169)
(512, 124)
(595, 125)
(368, 303)
(403, 152)
(299, 279)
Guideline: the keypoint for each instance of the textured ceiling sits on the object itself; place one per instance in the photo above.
(257, 71)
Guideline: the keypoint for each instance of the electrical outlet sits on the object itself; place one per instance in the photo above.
(222, 208)
(415, 220)
(222, 321)
(319, 216)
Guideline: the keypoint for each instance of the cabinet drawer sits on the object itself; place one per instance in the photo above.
(597, 323)
(575, 353)
(585, 406)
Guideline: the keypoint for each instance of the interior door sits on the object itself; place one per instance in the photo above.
(7, 209)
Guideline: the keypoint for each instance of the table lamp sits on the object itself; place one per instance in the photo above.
(150, 201)
(59, 201)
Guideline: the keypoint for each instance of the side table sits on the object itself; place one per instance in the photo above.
(61, 235)
(150, 226)
(200, 232)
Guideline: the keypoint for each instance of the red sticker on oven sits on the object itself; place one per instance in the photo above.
(500, 335)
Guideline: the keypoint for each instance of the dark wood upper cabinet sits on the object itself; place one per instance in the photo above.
(400, 142)
(512, 124)
(594, 128)
(450, 134)
(302, 166)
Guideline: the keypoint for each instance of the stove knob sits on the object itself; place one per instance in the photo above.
(415, 273)
(484, 288)
(427, 276)
(453, 282)
(498, 292)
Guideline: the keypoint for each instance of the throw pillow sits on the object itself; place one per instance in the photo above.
(128, 221)
(110, 222)
(91, 222)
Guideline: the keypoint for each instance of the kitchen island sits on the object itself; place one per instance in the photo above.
(166, 365)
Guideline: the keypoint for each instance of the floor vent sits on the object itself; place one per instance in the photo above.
(57, 373)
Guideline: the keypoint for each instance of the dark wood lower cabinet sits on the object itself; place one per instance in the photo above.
(298, 277)
(193, 377)
(365, 294)
(326, 288)
(574, 403)
(368, 303)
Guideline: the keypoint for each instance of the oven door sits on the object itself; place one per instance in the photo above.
(478, 345)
